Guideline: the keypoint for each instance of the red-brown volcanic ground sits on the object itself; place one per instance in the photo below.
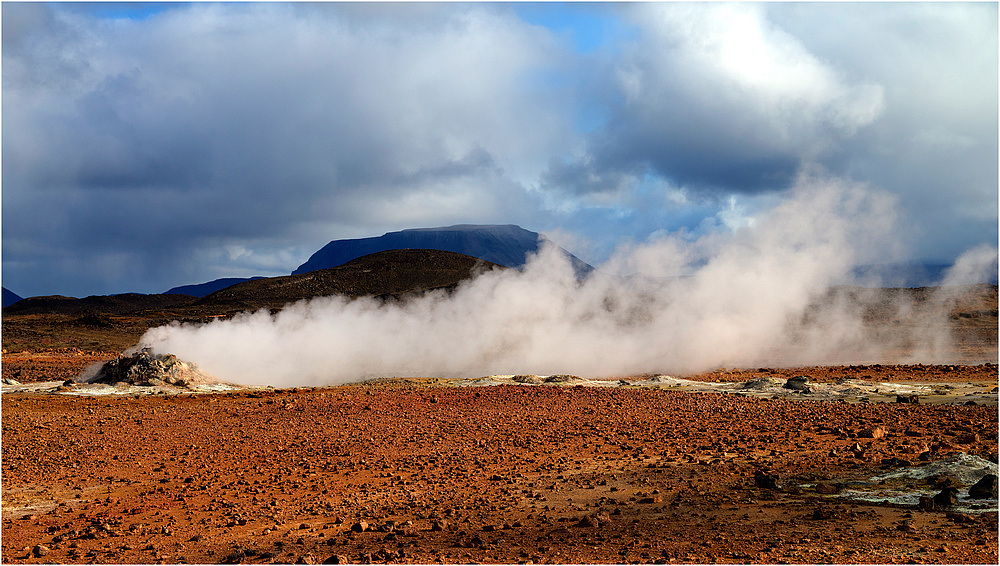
(409, 473)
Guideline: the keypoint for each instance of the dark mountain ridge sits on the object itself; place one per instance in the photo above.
(10, 297)
(204, 289)
(506, 245)
(387, 274)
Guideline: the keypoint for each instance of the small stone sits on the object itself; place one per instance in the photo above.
(587, 522)
(828, 488)
(359, 527)
(876, 433)
(947, 497)
(765, 480)
(797, 383)
(985, 488)
(40, 550)
(926, 503)
(961, 518)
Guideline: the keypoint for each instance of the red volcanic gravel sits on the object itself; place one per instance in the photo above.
(403, 473)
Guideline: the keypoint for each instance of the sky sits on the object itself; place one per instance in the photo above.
(147, 146)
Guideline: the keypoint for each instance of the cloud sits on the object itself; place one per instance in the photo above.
(715, 97)
(216, 124)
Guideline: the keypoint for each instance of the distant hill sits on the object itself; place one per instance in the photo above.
(506, 245)
(908, 274)
(108, 304)
(203, 289)
(386, 274)
(9, 297)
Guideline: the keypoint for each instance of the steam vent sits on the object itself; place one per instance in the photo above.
(147, 368)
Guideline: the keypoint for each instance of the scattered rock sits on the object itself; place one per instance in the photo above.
(829, 488)
(967, 438)
(942, 481)
(961, 517)
(926, 503)
(798, 383)
(765, 480)
(40, 550)
(985, 488)
(307, 558)
(761, 383)
(439, 525)
(587, 522)
(947, 497)
(824, 513)
(876, 433)
(928, 455)
(360, 526)
(912, 399)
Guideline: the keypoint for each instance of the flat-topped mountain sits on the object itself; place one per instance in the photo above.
(506, 245)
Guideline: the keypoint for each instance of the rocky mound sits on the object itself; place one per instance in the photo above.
(386, 274)
(147, 368)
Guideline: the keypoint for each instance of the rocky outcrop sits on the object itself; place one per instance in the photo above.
(148, 368)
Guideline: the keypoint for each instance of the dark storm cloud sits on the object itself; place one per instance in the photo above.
(152, 148)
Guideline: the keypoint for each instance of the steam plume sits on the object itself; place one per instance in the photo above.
(758, 295)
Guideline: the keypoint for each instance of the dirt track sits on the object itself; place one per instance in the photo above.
(410, 473)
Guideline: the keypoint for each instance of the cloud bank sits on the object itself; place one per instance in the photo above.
(147, 149)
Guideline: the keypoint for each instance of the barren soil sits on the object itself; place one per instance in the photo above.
(414, 473)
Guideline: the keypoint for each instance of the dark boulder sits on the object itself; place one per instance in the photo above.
(947, 497)
(765, 480)
(985, 488)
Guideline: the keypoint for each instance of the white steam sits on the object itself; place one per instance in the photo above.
(756, 296)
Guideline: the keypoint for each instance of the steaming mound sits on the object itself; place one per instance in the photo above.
(146, 368)
(386, 274)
